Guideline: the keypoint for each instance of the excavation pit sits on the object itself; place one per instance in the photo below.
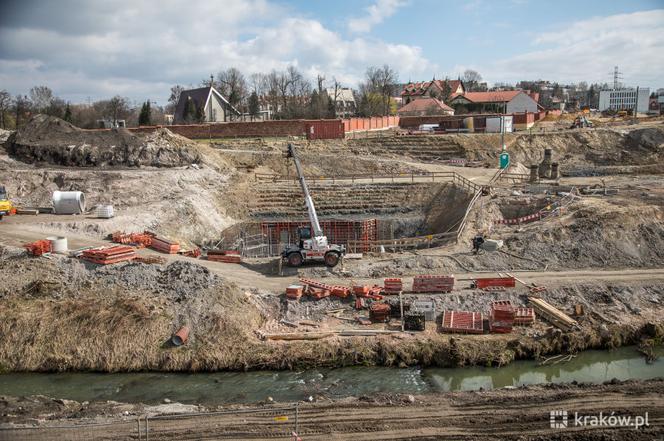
(357, 215)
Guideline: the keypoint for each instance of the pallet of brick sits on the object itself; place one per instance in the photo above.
(110, 255)
(294, 292)
(317, 293)
(487, 283)
(224, 256)
(462, 322)
(524, 316)
(433, 283)
(392, 285)
(501, 319)
(379, 312)
(164, 245)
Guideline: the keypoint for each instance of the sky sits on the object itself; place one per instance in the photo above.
(88, 50)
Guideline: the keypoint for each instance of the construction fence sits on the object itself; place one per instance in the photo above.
(278, 422)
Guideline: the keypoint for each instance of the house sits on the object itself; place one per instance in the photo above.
(425, 107)
(345, 105)
(204, 104)
(431, 89)
(507, 101)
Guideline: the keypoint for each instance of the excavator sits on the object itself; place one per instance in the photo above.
(5, 204)
(312, 246)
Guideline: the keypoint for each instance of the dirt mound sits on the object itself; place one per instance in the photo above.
(46, 139)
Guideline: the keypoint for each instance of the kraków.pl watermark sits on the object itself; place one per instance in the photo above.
(561, 419)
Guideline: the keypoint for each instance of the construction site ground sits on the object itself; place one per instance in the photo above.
(602, 248)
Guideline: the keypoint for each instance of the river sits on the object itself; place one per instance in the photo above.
(250, 387)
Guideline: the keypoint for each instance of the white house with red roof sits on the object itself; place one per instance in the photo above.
(502, 101)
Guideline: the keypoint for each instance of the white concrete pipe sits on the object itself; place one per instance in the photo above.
(58, 244)
(68, 202)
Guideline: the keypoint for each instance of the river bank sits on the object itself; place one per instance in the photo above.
(507, 413)
(61, 315)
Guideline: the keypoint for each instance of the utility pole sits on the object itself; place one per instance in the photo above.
(636, 103)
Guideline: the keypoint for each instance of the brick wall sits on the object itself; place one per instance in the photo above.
(280, 128)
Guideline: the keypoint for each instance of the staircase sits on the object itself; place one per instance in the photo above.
(420, 148)
(284, 199)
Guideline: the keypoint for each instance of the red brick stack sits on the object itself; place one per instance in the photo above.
(501, 319)
(433, 283)
(317, 293)
(487, 283)
(294, 292)
(463, 322)
(524, 316)
(107, 256)
(369, 292)
(379, 312)
(38, 248)
(228, 256)
(164, 245)
(392, 285)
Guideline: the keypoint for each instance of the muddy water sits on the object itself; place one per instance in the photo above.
(248, 387)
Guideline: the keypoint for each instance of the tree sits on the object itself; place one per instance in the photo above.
(145, 117)
(233, 86)
(5, 104)
(41, 98)
(174, 98)
(190, 113)
(22, 108)
(67, 117)
(446, 92)
(378, 89)
(471, 79)
(116, 108)
(254, 105)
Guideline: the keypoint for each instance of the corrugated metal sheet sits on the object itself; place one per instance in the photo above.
(325, 129)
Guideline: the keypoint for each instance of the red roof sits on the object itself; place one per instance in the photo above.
(425, 105)
(416, 89)
(489, 97)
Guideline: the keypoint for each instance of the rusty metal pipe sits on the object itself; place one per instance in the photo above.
(180, 337)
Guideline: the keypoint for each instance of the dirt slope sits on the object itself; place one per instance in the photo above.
(50, 140)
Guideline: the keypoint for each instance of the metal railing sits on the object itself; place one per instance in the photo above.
(412, 177)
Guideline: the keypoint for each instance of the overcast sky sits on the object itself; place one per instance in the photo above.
(139, 49)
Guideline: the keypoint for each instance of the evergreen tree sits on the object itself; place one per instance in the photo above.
(190, 112)
(68, 116)
(144, 118)
(254, 105)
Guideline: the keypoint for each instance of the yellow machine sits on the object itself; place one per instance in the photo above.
(5, 203)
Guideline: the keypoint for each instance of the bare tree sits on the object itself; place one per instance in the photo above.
(116, 108)
(41, 97)
(377, 90)
(233, 86)
(5, 104)
(174, 98)
(471, 79)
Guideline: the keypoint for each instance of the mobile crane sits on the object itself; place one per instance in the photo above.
(312, 244)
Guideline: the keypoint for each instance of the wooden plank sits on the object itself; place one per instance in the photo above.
(552, 314)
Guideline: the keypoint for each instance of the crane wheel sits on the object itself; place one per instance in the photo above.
(295, 259)
(331, 259)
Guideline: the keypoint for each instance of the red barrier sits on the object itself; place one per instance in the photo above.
(491, 282)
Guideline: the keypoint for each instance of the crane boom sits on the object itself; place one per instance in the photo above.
(313, 217)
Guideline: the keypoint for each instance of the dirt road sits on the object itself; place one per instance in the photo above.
(16, 230)
(522, 413)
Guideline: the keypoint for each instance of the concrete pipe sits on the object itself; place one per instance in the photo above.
(58, 244)
(68, 202)
(105, 211)
(180, 337)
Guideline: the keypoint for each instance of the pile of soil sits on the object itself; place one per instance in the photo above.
(46, 139)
